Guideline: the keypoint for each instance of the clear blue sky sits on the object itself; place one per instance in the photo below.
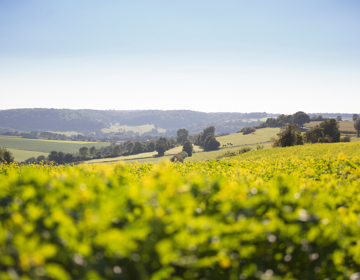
(277, 56)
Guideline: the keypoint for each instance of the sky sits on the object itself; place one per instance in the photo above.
(276, 56)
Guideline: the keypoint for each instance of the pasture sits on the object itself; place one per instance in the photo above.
(259, 136)
(124, 158)
(34, 146)
(178, 149)
(22, 155)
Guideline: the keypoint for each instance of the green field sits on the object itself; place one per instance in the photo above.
(215, 154)
(32, 147)
(137, 129)
(178, 149)
(149, 155)
(259, 136)
(21, 155)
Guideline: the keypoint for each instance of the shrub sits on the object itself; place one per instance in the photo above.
(247, 130)
(289, 136)
(261, 125)
(345, 139)
(231, 154)
(244, 150)
(177, 159)
(313, 135)
(183, 154)
(188, 148)
(6, 156)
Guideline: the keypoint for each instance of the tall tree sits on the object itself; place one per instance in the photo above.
(129, 146)
(93, 151)
(150, 146)
(355, 117)
(116, 150)
(300, 118)
(137, 148)
(207, 130)
(357, 127)
(182, 136)
(161, 146)
(289, 136)
(209, 141)
(69, 158)
(84, 151)
(53, 156)
(6, 156)
(331, 130)
(313, 135)
(188, 147)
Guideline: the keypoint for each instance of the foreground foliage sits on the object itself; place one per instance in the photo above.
(259, 215)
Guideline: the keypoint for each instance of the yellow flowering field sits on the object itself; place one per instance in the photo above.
(289, 213)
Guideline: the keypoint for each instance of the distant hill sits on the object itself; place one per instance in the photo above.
(87, 121)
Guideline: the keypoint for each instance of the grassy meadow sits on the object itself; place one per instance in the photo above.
(259, 136)
(22, 155)
(24, 147)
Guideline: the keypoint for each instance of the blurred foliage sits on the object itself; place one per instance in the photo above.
(285, 217)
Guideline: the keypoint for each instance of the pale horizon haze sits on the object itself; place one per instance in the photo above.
(275, 56)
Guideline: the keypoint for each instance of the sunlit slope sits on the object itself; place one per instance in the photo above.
(259, 136)
(328, 150)
(22, 155)
(46, 146)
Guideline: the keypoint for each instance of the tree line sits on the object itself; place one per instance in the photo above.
(206, 139)
(327, 131)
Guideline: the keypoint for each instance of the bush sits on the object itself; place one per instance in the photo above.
(261, 125)
(290, 136)
(30, 160)
(6, 156)
(313, 135)
(247, 130)
(188, 148)
(244, 150)
(177, 159)
(211, 143)
(345, 139)
(183, 154)
(231, 154)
